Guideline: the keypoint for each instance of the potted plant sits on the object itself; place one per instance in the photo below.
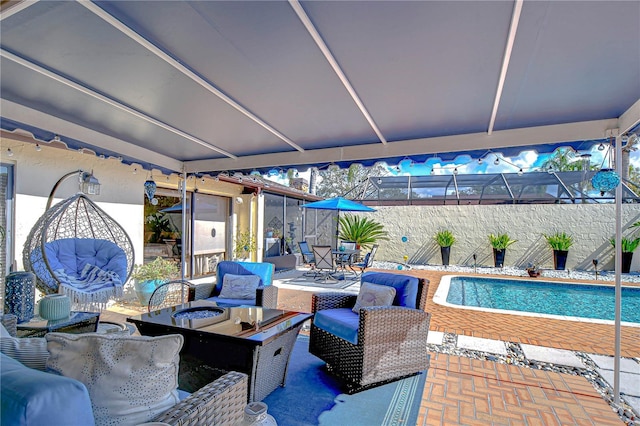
(149, 276)
(363, 231)
(445, 240)
(629, 245)
(560, 243)
(499, 243)
(244, 245)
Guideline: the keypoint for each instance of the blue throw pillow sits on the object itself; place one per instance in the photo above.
(32, 397)
(406, 286)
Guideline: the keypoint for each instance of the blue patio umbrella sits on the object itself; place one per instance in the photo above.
(339, 204)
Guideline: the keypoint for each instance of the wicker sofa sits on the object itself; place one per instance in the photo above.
(380, 343)
(30, 396)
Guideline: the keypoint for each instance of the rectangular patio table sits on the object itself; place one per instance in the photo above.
(252, 340)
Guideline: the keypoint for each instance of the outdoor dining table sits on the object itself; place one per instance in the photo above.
(344, 258)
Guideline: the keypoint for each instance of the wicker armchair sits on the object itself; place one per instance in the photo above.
(171, 294)
(266, 294)
(391, 340)
(221, 402)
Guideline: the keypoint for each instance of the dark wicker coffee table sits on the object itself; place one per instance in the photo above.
(252, 340)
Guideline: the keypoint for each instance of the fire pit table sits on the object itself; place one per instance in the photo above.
(253, 340)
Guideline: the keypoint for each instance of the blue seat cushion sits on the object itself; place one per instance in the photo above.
(406, 286)
(341, 322)
(73, 254)
(263, 270)
(232, 302)
(33, 397)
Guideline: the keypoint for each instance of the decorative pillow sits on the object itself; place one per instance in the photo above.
(239, 286)
(130, 379)
(31, 352)
(374, 295)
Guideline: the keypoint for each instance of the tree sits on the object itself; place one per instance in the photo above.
(336, 182)
(634, 178)
(565, 160)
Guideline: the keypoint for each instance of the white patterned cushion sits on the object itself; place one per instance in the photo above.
(31, 352)
(374, 295)
(130, 379)
(239, 286)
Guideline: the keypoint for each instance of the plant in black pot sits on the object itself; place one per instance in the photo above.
(499, 242)
(560, 243)
(629, 245)
(445, 240)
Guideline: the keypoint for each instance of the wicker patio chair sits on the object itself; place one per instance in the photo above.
(171, 294)
(391, 340)
(221, 402)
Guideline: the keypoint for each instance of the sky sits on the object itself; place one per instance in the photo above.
(527, 160)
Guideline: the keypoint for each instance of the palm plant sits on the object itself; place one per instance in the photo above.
(629, 245)
(559, 241)
(500, 241)
(444, 238)
(363, 231)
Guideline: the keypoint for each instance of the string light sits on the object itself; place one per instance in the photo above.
(496, 161)
(455, 171)
(38, 147)
(601, 147)
(9, 152)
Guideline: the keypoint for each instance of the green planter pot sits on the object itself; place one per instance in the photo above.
(144, 289)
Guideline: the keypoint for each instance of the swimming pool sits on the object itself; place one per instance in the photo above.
(583, 302)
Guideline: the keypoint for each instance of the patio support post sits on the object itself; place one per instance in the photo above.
(618, 271)
(184, 225)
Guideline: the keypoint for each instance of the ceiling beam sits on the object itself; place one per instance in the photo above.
(524, 137)
(35, 118)
(112, 102)
(513, 29)
(317, 38)
(630, 118)
(185, 71)
(10, 8)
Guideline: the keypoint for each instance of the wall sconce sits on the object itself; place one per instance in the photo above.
(88, 184)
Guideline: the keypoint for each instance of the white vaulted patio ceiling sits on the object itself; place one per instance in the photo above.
(206, 86)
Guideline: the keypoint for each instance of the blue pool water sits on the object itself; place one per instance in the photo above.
(575, 300)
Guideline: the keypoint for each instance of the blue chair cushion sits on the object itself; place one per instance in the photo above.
(33, 397)
(341, 322)
(406, 286)
(232, 302)
(73, 254)
(263, 270)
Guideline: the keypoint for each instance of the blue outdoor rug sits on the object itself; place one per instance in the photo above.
(314, 397)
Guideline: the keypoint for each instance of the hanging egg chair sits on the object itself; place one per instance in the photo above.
(77, 249)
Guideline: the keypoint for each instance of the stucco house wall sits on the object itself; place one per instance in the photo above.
(121, 191)
(591, 225)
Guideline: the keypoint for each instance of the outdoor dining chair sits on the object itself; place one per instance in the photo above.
(367, 261)
(324, 261)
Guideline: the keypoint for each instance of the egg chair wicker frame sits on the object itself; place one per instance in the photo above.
(76, 217)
